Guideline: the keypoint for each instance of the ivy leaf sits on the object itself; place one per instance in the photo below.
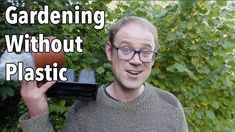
(100, 70)
(58, 4)
(181, 68)
(107, 65)
(187, 4)
(215, 104)
(5, 92)
(228, 83)
(210, 114)
(199, 114)
(170, 37)
(221, 2)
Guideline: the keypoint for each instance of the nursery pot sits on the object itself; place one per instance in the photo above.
(48, 58)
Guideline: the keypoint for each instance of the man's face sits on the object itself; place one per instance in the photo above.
(133, 73)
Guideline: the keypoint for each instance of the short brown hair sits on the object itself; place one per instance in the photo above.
(125, 20)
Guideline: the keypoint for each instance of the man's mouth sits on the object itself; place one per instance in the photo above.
(133, 73)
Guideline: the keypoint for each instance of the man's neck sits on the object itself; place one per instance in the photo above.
(124, 94)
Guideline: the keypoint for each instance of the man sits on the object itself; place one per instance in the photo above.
(128, 104)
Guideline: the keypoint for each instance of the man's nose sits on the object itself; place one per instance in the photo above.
(135, 59)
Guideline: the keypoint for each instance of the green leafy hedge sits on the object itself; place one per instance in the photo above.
(196, 61)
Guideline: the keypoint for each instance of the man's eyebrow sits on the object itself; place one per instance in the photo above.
(147, 45)
(125, 41)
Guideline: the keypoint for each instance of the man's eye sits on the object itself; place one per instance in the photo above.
(126, 51)
(146, 53)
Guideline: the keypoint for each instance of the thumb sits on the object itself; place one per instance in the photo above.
(46, 86)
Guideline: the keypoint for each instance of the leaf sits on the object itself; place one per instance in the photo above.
(228, 83)
(57, 108)
(204, 70)
(202, 99)
(170, 37)
(179, 34)
(109, 76)
(227, 44)
(199, 114)
(215, 104)
(58, 4)
(181, 68)
(107, 65)
(195, 61)
(210, 114)
(193, 47)
(100, 70)
(230, 59)
(186, 4)
(5, 92)
(176, 68)
(221, 2)
(189, 26)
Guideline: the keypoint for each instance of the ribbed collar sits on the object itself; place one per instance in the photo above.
(130, 104)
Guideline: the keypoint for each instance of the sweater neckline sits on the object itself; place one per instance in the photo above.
(116, 103)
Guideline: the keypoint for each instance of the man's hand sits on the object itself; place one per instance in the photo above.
(35, 97)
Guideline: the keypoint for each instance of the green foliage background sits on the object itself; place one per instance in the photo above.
(196, 61)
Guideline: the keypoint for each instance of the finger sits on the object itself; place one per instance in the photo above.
(32, 84)
(46, 86)
(23, 83)
(45, 96)
(28, 84)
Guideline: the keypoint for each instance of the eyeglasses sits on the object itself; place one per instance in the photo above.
(145, 56)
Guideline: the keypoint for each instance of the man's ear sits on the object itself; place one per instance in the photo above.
(152, 64)
(108, 50)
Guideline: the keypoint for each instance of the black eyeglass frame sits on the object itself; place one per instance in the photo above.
(153, 59)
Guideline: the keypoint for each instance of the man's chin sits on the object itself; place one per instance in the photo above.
(132, 85)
